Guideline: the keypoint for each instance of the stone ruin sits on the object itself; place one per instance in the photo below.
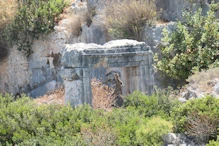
(129, 59)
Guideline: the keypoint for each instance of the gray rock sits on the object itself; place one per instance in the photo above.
(40, 91)
(179, 139)
(79, 8)
(169, 138)
(152, 35)
(189, 94)
(212, 82)
(216, 88)
(93, 34)
(182, 100)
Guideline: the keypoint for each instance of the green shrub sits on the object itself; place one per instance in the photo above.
(160, 103)
(124, 123)
(33, 19)
(214, 143)
(22, 122)
(198, 117)
(193, 45)
(127, 18)
(151, 133)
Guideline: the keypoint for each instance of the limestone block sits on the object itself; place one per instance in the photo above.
(73, 92)
(40, 91)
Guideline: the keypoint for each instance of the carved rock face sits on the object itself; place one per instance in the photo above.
(126, 61)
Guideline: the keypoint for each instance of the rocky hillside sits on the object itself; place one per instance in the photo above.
(80, 21)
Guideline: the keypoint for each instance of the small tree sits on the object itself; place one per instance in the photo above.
(194, 45)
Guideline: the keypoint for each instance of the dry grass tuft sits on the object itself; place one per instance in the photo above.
(102, 95)
(8, 9)
(201, 79)
(127, 18)
(54, 97)
(202, 127)
(74, 25)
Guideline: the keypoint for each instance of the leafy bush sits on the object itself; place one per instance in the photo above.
(151, 133)
(142, 121)
(125, 123)
(33, 19)
(198, 117)
(22, 122)
(214, 143)
(127, 18)
(160, 103)
(144, 104)
(192, 46)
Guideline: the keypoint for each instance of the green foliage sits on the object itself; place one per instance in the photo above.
(33, 19)
(22, 122)
(160, 103)
(151, 133)
(193, 45)
(194, 113)
(214, 143)
(142, 121)
(125, 123)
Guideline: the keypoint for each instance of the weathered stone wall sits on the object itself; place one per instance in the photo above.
(132, 60)
(171, 10)
(39, 73)
(20, 74)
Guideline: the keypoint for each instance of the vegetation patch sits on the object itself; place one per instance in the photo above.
(7, 12)
(198, 118)
(127, 18)
(143, 120)
(33, 19)
(192, 46)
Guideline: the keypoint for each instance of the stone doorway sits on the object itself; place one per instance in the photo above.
(132, 60)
